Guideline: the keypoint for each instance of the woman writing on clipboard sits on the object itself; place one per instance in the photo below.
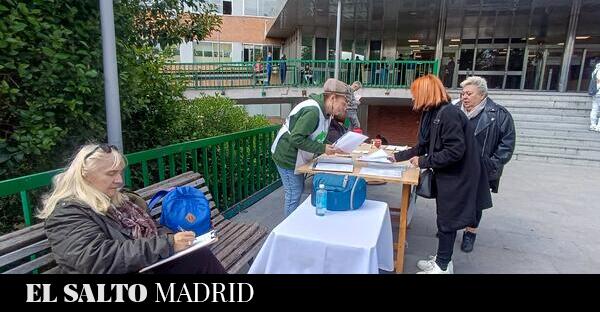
(92, 227)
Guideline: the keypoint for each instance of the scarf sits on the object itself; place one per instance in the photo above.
(473, 113)
(134, 218)
(426, 123)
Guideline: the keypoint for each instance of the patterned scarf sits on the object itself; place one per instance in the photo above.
(132, 217)
(475, 111)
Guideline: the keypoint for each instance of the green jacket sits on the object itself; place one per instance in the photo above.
(301, 126)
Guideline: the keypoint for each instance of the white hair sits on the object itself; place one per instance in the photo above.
(71, 184)
(478, 82)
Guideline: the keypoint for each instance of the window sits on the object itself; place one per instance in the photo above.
(227, 7)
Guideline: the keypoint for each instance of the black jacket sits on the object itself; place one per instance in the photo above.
(461, 187)
(84, 241)
(495, 133)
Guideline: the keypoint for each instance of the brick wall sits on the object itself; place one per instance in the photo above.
(244, 29)
(398, 124)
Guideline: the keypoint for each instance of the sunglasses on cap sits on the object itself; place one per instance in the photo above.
(105, 148)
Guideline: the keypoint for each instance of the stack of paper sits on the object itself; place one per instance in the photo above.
(395, 148)
(336, 164)
(380, 156)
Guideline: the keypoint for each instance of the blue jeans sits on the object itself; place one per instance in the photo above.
(293, 186)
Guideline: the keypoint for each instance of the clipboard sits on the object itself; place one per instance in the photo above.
(200, 242)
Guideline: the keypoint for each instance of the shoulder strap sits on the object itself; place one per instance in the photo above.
(437, 117)
(156, 198)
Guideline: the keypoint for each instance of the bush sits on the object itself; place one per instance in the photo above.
(210, 116)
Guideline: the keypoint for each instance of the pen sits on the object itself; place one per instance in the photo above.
(180, 228)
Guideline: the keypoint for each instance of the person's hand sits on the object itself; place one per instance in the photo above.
(414, 161)
(392, 159)
(183, 240)
(331, 150)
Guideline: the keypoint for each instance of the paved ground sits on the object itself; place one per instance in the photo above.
(546, 219)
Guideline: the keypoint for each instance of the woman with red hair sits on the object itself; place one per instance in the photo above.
(461, 184)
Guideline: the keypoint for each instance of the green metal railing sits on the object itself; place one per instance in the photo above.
(237, 168)
(300, 73)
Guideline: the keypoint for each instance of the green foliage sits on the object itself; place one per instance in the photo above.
(52, 88)
(213, 115)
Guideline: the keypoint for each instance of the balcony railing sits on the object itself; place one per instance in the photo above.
(237, 167)
(300, 73)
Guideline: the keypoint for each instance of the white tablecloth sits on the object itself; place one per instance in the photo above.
(358, 241)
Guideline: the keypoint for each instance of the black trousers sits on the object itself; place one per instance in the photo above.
(445, 248)
(478, 215)
(201, 261)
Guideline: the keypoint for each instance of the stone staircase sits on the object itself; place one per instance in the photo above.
(551, 127)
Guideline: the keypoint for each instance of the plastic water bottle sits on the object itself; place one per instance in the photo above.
(321, 200)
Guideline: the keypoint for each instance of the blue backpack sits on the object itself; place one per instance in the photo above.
(183, 208)
(344, 192)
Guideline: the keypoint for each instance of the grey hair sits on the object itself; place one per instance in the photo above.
(478, 82)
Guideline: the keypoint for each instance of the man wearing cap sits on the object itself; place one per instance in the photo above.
(303, 135)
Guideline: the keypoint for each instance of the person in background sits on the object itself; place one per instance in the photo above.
(257, 72)
(594, 91)
(352, 112)
(336, 128)
(282, 68)
(307, 74)
(269, 67)
(460, 183)
(493, 127)
(303, 135)
(92, 227)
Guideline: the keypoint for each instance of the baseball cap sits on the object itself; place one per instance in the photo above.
(335, 86)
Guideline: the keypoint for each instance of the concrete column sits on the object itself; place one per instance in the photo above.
(569, 45)
(441, 33)
(336, 72)
(111, 76)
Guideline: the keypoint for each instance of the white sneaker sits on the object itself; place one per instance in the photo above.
(435, 269)
(426, 265)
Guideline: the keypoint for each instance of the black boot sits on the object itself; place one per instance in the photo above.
(468, 241)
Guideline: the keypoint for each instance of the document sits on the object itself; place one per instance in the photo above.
(337, 164)
(380, 156)
(395, 148)
(199, 242)
(389, 172)
(350, 141)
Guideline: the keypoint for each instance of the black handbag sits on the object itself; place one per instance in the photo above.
(427, 187)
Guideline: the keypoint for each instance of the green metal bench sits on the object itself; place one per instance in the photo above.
(27, 250)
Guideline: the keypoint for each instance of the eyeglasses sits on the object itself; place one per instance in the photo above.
(462, 93)
(105, 148)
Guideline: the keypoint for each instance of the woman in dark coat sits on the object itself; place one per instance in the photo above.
(461, 184)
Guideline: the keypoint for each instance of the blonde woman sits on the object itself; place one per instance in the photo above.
(94, 228)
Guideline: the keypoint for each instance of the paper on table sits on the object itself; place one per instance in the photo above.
(335, 160)
(392, 173)
(334, 167)
(199, 242)
(396, 148)
(350, 141)
(379, 156)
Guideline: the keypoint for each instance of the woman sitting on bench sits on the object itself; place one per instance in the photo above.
(93, 227)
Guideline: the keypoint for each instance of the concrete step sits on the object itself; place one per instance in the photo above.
(591, 153)
(550, 111)
(575, 120)
(509, 104)
(560, 141)
(534, 157)
(580, 133)
(551, 125)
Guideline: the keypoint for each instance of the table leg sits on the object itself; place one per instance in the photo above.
(402, 229)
